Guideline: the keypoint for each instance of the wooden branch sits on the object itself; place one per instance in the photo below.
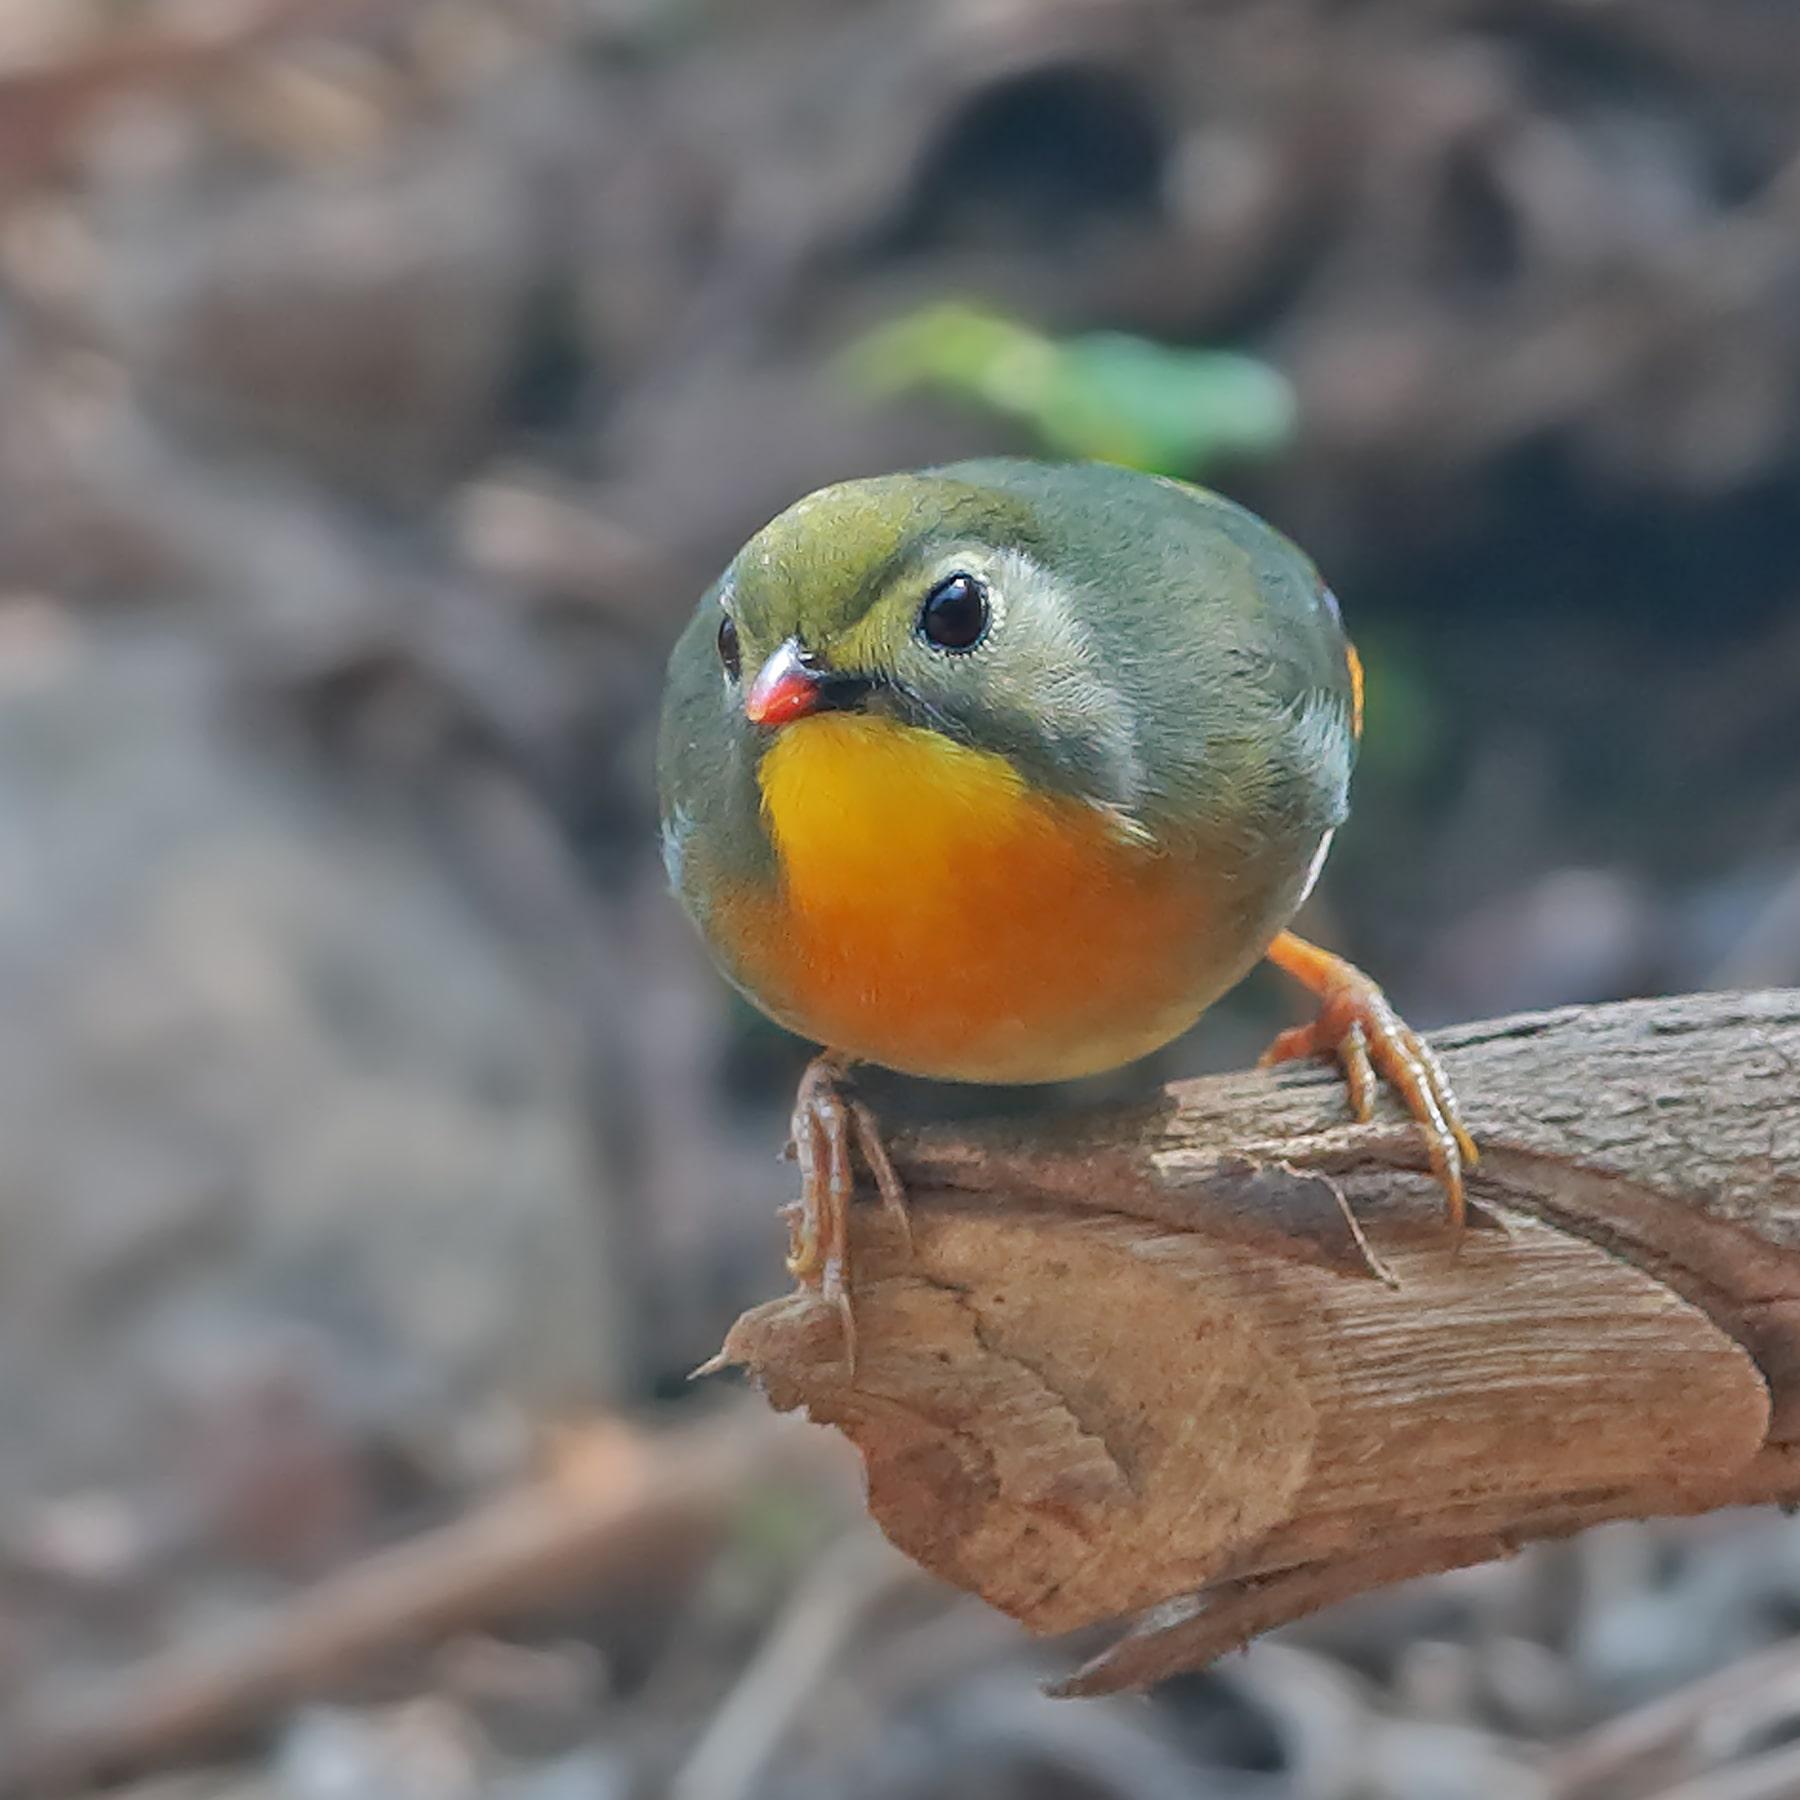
(1138, 1363)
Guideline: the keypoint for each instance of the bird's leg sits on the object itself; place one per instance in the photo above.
(826, 1123)
(1358, 1026)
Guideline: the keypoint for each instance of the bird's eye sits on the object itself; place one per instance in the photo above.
(955, 613)
(729, 654)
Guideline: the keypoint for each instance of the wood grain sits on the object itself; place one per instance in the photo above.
(1138, 1365)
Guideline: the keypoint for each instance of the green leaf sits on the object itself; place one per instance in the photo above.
(1105, 395)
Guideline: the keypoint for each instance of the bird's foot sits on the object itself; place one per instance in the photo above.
(1358, 1026)
(827, 1122)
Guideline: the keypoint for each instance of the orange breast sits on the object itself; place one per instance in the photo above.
(936, 914)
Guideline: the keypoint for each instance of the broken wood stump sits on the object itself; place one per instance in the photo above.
(1142, 1364)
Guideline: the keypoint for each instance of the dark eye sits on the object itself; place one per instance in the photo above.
(955, 614)
(729, 654)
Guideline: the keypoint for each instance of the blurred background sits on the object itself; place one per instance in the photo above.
(380, 383)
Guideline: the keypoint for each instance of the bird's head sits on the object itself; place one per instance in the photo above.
(936, 604)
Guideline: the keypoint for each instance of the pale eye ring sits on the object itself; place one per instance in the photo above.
(956, 614)
(730, 655)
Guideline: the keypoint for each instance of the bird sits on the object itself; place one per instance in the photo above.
(1003, 772)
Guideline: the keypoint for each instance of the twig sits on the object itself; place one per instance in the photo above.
(1775, 1775)
(1594, 1764)
(793, 1663)
(1195, 1630)
(625, 1500)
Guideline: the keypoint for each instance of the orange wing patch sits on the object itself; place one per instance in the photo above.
(1354, 664)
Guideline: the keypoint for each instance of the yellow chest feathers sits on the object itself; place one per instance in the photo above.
(937, 913)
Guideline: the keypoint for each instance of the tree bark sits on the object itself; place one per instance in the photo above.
(1209, 1364)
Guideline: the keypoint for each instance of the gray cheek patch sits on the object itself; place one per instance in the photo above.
(1080, 707)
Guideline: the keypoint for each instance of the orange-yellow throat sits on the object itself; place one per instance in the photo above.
(937, 914)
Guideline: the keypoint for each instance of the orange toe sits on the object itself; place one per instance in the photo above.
(1358, 1026)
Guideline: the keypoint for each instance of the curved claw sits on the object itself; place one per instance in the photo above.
(826, 1124)
(1358, 1026)
(881, 1166)
(1359, 1071)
